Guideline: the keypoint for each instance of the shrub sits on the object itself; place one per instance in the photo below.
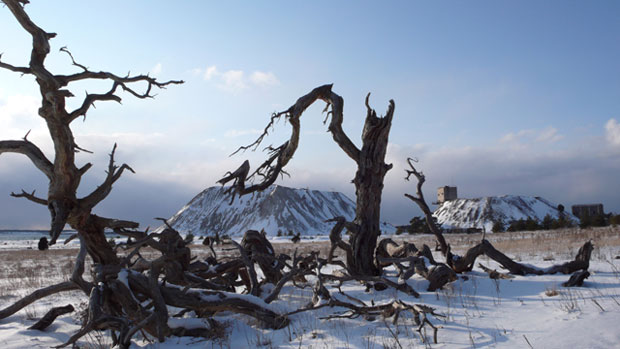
(417, 225)
(189, 238)
(547, 222)
(614, 219)
(498, 226)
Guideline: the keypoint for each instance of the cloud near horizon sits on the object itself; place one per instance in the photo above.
(170, 171)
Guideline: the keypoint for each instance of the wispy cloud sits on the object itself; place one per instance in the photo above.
(264, 79)
(210, 72)
(237, 133)
(612, 132)
(156, 69)
(547, 135)
(235, 81)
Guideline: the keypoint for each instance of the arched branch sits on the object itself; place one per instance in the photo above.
(280, 156)
(32, 152)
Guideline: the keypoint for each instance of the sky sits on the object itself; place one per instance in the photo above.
(494, 97)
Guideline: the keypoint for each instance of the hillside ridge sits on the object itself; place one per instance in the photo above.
(481, 213)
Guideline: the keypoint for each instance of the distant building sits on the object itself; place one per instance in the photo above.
(587, 210)
(446, 193)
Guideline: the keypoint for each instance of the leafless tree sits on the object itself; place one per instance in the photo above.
(64, 176)
(368, 181)
(121, 285)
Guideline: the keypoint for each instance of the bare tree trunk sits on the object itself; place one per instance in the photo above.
(371, 169)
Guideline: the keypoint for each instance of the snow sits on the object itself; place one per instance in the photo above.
(21, 240)
(276, 209)
(482, 212)
(479, 312)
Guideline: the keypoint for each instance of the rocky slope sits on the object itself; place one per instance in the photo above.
(483, 212)
(276, 209)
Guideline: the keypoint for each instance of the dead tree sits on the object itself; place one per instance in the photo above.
(368, 181)
(121, 299)
(63, 174)
(465, 263)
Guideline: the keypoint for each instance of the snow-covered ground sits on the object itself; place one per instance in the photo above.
(523, 312)
(22, 240)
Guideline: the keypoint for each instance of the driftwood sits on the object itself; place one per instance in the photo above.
(460, 264)
(261, 251)
(393, 309)
(577, 278)
(494, 274)
(465, 263)
(419, 262)
(50, 316)
(35, 296)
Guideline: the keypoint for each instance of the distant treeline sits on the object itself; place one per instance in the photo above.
(32, 231)
(418, 225)
(23, 231)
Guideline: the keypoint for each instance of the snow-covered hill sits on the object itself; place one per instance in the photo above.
(277, 208)
(483, 212)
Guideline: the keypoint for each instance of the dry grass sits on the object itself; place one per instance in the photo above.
(561, 242)
(27, 270)
(551, 244)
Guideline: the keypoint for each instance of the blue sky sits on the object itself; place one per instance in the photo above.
(494, 97)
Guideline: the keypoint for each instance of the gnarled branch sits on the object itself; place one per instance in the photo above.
(40, 43)
(280, 156)
(32, 152)
(30, 196)
(421, 202)
(23, 70)
(114, 173)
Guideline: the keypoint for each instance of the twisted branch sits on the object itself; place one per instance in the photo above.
(33, 152)
(280, 156)
(114, 173)
(30, 196)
